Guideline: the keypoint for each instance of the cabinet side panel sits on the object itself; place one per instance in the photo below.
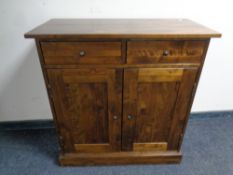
(207, 41)
(181, 108)
(48, 88)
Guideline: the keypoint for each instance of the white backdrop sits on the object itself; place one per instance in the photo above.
(22, 91)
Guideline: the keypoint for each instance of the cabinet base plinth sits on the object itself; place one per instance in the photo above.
(80, 159)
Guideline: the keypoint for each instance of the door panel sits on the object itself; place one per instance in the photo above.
(88, 107)
(153, 120)
(155, 107)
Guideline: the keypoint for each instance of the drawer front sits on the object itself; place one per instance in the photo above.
(81, 52)
(144, 52)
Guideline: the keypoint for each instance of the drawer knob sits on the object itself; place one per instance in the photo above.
(166, 52)
(115, 117)
(130, 117)
(82, 53)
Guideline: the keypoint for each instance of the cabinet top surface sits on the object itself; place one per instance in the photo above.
(121, 28)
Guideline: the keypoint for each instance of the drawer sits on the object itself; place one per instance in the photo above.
(144, 52)
(81, 52)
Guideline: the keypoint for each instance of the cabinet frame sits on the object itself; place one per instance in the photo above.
(118, 157)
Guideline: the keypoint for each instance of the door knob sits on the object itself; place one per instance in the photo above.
(166, 53)
(82, 53)
(130, 117)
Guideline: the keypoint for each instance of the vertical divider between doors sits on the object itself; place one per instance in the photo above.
(124, 58)
(122, 106)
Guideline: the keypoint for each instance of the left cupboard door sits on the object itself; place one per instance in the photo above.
(88, 108)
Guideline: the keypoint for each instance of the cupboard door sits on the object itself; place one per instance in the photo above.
(88, 104)
(155, 107)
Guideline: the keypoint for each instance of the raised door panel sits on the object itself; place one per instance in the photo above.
(156, 102)
(88, 108)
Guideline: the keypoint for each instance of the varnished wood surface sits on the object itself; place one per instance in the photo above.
(86, 100)
(138, 52)
(199, 70)
(92, 148)
(159, 146)
(121, 28)
(156, 99)
(124, 72)
(124, 66)
(179, 51)
(81, 159)
(69, 52)
(180, 112)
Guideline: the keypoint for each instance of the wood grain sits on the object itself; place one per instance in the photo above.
(126, 100)
(129, 106)
(193, 94)
(150, 101)
(179, 51)
(121, 28)
(180, 114)
(85, 108)
(148, 75)
(49, 95)
(159, 146)
(124, 66)
(81, 159)
(69, 52)
(92, 148)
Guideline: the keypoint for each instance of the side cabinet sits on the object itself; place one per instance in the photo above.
(121, 90)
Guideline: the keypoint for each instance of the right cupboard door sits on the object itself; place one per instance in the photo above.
(156, 103)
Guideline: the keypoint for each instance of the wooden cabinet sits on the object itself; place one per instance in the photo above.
(121, 90)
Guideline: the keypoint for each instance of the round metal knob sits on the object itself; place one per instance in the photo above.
(166, 53)
(130, 117)
(82, 53)
(115, 117)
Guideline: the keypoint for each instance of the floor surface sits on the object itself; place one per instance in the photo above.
(207, 150)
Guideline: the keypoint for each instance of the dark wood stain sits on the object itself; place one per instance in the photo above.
(121, 90)
(69, 52)
(121, 28)
(147, 52)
